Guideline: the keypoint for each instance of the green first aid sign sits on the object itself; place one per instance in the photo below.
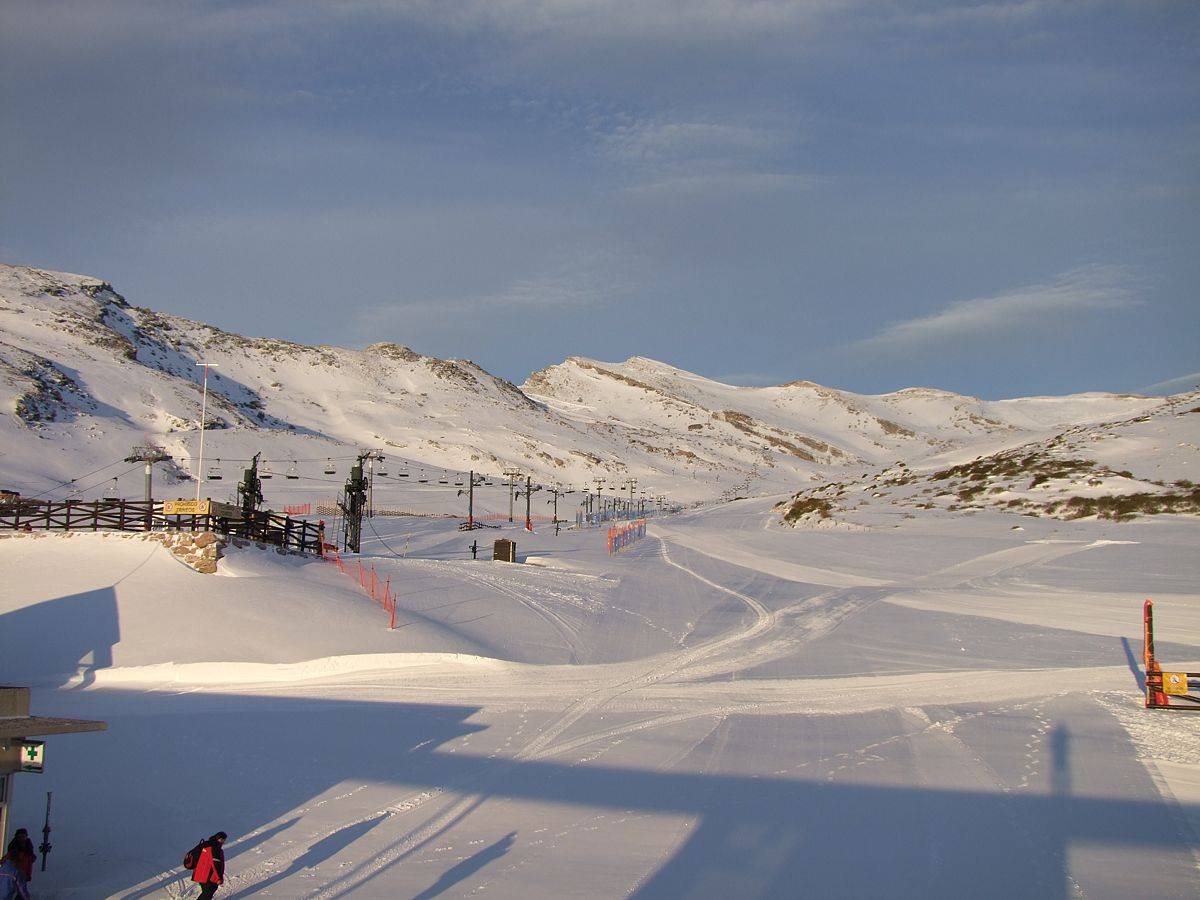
(33, 755)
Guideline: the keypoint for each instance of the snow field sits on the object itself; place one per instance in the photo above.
(725, 710)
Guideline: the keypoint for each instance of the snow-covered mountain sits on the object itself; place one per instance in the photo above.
(84, 376)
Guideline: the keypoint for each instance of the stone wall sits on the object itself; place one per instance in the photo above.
(197, 550)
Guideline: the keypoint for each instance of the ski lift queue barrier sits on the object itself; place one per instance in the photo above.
(368, 580)
(157, 515)
(622, 536)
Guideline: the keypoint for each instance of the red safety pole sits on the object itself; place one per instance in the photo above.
(1155, 696)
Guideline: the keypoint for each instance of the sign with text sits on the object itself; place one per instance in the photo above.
(200, 508)
(186, 507)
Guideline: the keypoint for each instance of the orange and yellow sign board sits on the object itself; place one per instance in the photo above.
(200, 508)
(185, 507)
(1175, 683)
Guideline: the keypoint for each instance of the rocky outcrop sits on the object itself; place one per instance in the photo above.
(197, 550)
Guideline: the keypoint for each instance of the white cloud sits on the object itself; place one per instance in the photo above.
(1181, 385)
(573, 288)
(1073, 296)
(667, 160)
(997, 13)
(606, 20)
(724, 184)
(668, 142)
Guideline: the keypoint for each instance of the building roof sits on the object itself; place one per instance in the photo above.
(31, 726)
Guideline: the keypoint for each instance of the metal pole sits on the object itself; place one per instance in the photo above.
(471, 501)
(511, 483)
(370, 487)
(6, 785)
(45, 846)
(148, 492)
(528, 520)
(203, 415)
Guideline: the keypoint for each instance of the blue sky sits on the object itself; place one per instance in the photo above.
(999, 198)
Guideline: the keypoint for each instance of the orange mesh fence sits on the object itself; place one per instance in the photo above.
(368, 581)
(622, 536)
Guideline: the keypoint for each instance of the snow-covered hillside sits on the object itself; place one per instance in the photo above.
(84, 376)
(1121, 469)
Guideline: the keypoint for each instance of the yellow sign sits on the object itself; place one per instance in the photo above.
(201, 508)
(185, 507)
(1175, 683)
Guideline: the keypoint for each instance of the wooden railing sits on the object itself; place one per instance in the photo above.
(140, 515)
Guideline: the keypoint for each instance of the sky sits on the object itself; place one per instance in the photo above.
(997, 198)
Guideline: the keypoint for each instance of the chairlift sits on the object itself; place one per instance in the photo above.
(329, 469)
(458, 484)
(264, 472)
(443, 481)
(382, 473)
(214, 472)
(112, 492)
(423, 480)
(403, 474)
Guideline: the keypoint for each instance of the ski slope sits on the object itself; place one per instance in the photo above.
(942, 707)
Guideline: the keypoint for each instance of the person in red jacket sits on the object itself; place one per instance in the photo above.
(210, 870)
(20, 851)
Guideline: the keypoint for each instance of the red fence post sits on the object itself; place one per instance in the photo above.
(1155, 695)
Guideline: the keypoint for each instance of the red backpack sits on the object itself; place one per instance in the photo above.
(192, 857)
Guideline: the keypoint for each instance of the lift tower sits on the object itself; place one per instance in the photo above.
(352, 503)
(149, 455)
(249, 494)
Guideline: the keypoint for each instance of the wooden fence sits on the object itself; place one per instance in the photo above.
(141, 515)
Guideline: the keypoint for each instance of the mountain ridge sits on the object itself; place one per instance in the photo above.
(87, 371)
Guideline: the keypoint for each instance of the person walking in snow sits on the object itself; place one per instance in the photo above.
(20, 851)
(210, 869)
(12, 881)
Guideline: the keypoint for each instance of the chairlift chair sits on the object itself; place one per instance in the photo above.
(265, 473)
(329, 469)
(291, 472)
(214, 472)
